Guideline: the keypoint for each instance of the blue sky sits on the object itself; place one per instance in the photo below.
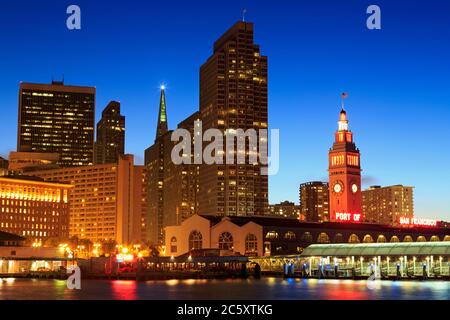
(398, 77)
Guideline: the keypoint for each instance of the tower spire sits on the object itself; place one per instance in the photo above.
(162, 117)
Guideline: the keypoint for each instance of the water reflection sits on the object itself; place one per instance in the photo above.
(124, 290)
(264, 289)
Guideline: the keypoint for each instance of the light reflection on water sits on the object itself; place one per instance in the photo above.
(264, 289)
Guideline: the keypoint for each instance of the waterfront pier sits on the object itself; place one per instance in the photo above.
(395, 261)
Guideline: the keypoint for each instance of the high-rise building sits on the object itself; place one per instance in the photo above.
(345, 176)
(155, 167)
(107, 202)
(172, 188)
(386, 205)
(233, 95)
(33, 208)
(110, 142)
(285, 209)
(181, 182)
(314, 201)
(57, 118)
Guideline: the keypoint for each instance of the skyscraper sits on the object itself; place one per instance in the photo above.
(314, 201)
(233, 95)
(155, 168)
(386, 205)
(180, 182)
(59, 119)
(110, 142)
(345, 176)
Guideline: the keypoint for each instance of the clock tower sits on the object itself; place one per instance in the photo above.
(345, 175)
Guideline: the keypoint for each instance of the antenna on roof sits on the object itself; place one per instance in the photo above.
(244, 11)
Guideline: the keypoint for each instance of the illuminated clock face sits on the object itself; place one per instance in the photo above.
(338, 187)
(354, 188)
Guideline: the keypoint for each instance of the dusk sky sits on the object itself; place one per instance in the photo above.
(398, 78)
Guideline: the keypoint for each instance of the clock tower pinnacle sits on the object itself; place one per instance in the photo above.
(345, 175)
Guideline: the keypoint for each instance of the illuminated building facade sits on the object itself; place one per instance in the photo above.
(56, 118)
(285, 209)
(233, 95)
(386, 205)
(34, 209)
(3, 167)
(268, 236)
(181, 184)
(107, 201)
(155, 167)
(345, 176)
(110, 142)
(22, 162)
(314, 201)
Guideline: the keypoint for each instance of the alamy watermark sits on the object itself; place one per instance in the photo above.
(73, 22)
(374, 20)
(74, 279)
(230, 146)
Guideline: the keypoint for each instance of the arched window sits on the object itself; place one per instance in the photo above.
(447, 238)
(226, 241)
(338, 238)
(290, 235)
(407, 239)
(395, 239)
(368, 239)
(421, 239)
(251, 243)
(381, 239)
(323, 238)
(195, 240)
(353, 238)
(272, 235)
(173, 245)
(307, 237)
(435, 239)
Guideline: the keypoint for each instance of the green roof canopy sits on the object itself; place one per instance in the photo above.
(378, 249)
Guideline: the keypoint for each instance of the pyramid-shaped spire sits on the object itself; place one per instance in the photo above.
(162, 117)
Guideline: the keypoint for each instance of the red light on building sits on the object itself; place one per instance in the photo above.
(348, 217)
(417, 222)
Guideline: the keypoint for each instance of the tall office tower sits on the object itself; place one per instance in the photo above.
(345, 176)
(314, 201)
(386, 205)
(181, 181)
(107, 201)
(155, 168)
(59, 119)
(110, 142)
(33, 208)
(233, 95)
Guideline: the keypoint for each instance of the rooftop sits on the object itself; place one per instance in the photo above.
(378, 249)
(295, 223)
(5, 236)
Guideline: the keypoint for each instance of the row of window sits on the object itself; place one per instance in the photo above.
(339, 238)
(226, 242)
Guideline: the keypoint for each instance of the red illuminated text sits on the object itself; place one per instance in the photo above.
(348, 217)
